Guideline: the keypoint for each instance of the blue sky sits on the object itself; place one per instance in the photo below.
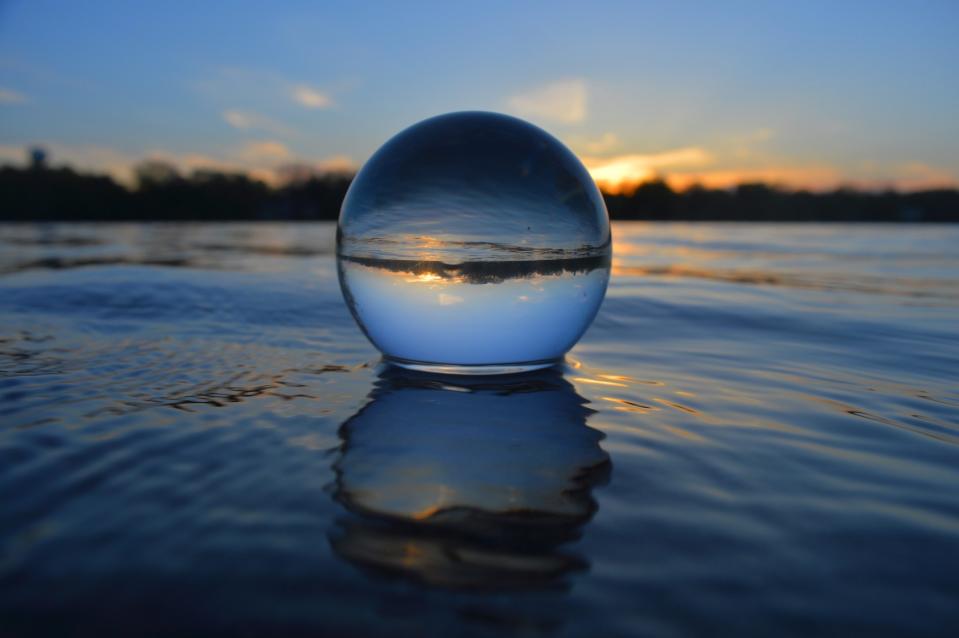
(806, 94)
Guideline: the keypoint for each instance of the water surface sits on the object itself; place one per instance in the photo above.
(757, 436)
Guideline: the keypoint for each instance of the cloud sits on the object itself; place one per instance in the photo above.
(268, 151)
(759, 135)
(918, 176)
(604, 144)
(238, 119)
(337, 164)
(9, 96)
(748, 145)
(261, 88)
(311, 98)
(250, 121)
(449, 300)
(563, 102)
(623, 173)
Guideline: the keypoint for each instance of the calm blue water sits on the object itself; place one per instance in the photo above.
(757, 436)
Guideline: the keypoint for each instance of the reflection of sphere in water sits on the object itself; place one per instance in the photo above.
(420, 450)
(473, 242)
(469, 485)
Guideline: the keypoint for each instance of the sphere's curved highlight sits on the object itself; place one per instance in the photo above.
(473, 242)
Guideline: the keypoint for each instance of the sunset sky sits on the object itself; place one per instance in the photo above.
(811, 94)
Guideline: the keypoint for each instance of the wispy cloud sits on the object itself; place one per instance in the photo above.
(919, 175)
(337, 164)
(449, 300)
(750, 145)
(267, 151)
(596, 146)
(563, 102)
(9, 96)
(250, 121)
(250, 98)
(310, 97)
(239, 119)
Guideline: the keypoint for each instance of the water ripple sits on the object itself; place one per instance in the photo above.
(758, 433)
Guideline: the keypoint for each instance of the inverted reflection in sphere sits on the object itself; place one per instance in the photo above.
(473, 242)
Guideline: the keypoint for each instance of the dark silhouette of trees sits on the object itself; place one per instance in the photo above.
(162, 194)
(760, 202)
(41, 193)
(318, 197)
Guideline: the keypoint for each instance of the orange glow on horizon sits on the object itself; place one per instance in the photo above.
(623, 174)
(427, 278)
(680, 170)
(624, 178)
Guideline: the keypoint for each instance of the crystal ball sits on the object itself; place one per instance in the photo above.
(473, 242)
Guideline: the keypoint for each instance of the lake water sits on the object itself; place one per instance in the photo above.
(759, 435)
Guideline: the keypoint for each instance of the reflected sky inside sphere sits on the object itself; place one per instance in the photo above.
(472, 180)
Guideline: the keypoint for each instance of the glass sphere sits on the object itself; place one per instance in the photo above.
(473, 243)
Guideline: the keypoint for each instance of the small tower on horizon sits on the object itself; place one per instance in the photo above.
(37, 158)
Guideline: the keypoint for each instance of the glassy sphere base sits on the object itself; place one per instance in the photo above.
(475, 370)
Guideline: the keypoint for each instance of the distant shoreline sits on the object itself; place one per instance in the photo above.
(38, 194)
(730, 222)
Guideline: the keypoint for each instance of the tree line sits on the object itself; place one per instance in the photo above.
(40, 193)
